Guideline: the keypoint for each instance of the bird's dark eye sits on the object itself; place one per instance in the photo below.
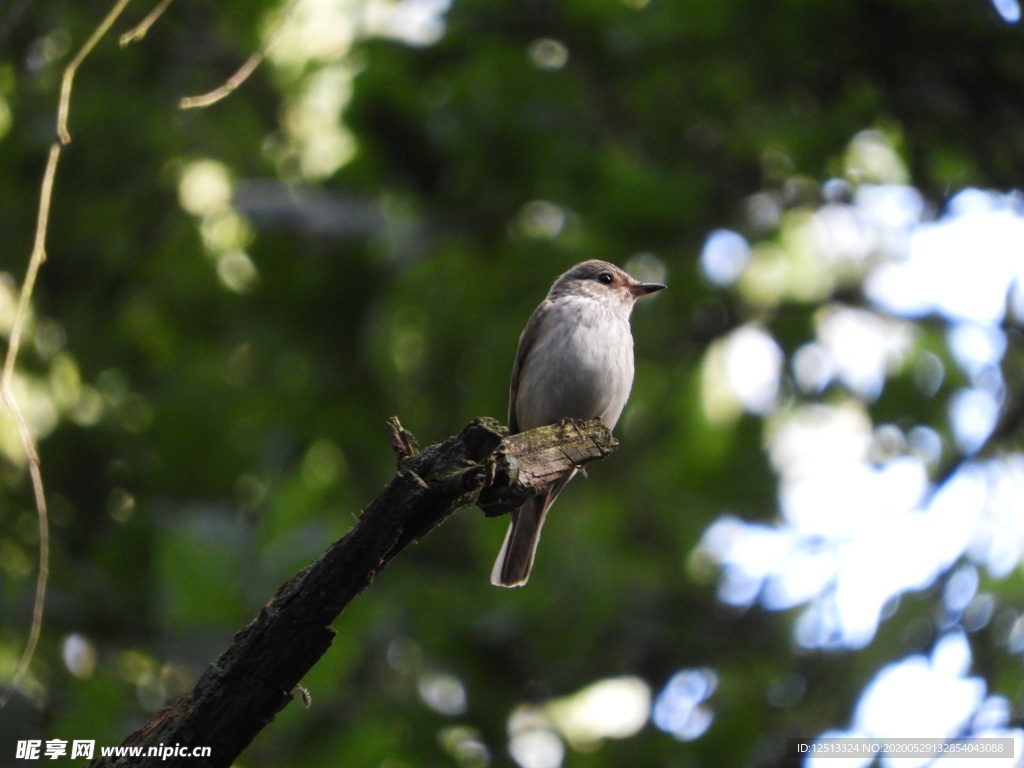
(605, 278)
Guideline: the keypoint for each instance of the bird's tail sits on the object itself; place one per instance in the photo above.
(512, 568)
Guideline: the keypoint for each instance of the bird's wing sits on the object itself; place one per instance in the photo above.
(526, 342)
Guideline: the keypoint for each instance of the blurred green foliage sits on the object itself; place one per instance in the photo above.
(230, 368)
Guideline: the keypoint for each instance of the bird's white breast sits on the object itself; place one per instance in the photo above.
(580, 365)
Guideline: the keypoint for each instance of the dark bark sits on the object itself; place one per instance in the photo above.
(259, 674)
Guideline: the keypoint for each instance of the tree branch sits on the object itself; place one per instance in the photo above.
(256, 677)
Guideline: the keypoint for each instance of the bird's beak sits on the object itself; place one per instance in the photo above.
(642, 289)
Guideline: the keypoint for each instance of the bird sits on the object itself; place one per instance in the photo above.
(574, 361)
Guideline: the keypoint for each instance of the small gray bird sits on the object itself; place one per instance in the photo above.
(575, 360)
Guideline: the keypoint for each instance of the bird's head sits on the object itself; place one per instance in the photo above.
(602, 281)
